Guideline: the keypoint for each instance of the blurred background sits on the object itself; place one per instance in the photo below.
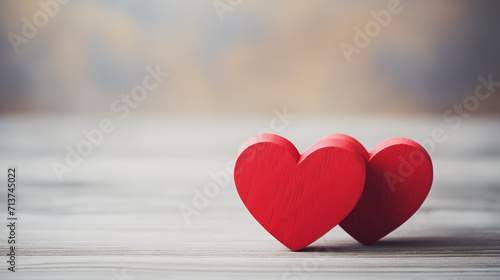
(231, 57)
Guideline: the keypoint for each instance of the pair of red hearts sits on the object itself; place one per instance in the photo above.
(298, 198)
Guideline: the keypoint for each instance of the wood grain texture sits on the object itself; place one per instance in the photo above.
(398, 179)
(117, 213)
(298, 198)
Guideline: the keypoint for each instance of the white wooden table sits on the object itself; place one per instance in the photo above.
(117, 215)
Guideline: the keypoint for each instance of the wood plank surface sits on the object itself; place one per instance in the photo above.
(116, 216)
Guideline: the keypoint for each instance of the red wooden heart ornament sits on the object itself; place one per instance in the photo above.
(298, 198)
(398, 179)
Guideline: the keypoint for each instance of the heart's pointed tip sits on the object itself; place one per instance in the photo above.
(369, 240)
(367, 243)
(363, 239)
(295, 249)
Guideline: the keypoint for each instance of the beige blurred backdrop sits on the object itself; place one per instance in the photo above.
(257, 56)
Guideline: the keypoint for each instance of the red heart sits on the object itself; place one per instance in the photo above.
(398, 179)
(298, 198)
